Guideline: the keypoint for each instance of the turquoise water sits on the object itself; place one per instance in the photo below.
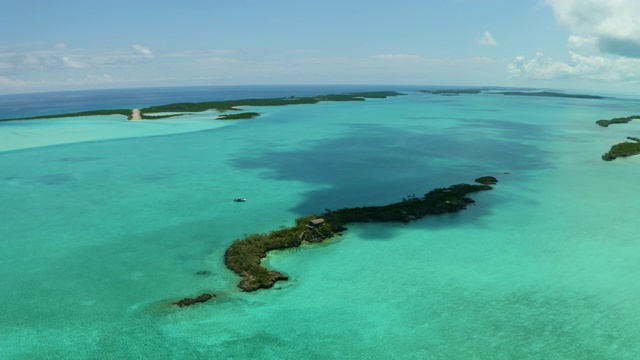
(99, 237)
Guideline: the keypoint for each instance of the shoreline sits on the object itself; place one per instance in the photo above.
(221, 106)
(135, 115)
(79, 127)
(244, 256)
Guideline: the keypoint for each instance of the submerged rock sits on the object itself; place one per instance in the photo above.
(192, 301)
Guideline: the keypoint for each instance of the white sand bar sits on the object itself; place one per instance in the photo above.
(24, 134)
(135, 114)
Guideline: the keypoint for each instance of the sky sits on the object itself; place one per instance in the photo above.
(88, 44)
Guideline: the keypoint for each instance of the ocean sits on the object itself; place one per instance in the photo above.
(107, 222)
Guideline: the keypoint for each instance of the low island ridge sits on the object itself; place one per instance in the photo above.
(244, 256)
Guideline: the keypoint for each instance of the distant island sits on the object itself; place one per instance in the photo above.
(489, 91)
(244, 256)
(239, 116)
(618, 120)
(179, 109)
(451, 92)
(623, 149)
(550, 94)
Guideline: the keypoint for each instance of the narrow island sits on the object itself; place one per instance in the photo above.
(192, 301)
(619, 120)
(550, 94)
(494, 91)
(244, 256)
(623, 149)
(453, 92)
(179, 109)
(238, 116)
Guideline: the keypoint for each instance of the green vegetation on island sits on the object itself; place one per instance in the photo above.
(228, 105)
(619, 120)
(453, 92)
(623, 149)
(487, 180)
(493, 91)
(244, 256)
(549, 94)
(222, 106)
(125, 112)
(239, 116)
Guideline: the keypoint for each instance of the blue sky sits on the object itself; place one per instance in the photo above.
(68, 45)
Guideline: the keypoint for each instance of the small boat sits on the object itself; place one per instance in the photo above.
(239, 199)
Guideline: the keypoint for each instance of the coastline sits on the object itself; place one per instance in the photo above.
(109, 234)
(167, 119)
(135, 115)
(244, 256)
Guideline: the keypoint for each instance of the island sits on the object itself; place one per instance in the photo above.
(453, 92)
(550, 94)
(497, 91)
(192, 301)
(487, 180)
(618, 120)
(179, 109)
(244, 256)
(238, 116)
(623, 149)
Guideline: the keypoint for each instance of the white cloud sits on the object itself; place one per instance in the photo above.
(61, 46)
(594, 68)
(145, 52)
(612, 26)
(487, 40)
(15, 60)
(91, 79)
(540, 67)
(6, 82)
(582, 43)
(74, 63)
(31, 61)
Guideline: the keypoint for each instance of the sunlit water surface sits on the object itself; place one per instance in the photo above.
(100, 233)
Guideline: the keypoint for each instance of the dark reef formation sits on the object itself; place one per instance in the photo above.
(244, 256)
(623, 149)
(192, 301)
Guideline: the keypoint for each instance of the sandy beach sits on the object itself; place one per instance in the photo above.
(135, 115)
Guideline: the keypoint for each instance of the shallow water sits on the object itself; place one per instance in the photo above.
(99, 237)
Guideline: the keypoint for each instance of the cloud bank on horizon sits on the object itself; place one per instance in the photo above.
(542, 43)
(604, 44)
